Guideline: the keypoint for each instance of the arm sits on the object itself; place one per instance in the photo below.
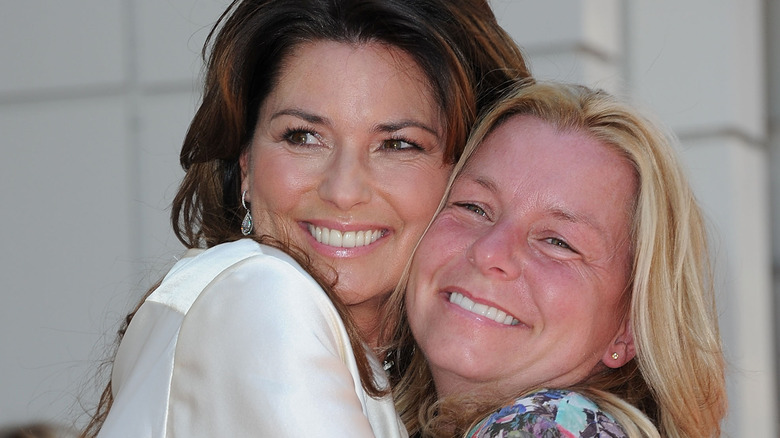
(261, 353)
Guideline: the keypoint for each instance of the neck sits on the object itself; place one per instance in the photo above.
(366, 317)
(449, 384)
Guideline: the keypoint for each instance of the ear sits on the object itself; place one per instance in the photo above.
(621, 350)
(245, 163)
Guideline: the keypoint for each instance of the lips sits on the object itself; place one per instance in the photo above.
(344, 239)
(488, 312)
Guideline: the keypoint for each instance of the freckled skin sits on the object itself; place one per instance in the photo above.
(537, 225)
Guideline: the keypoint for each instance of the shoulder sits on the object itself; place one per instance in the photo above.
(258, 284)
(260, 295)
(560, 412)
(248, 265)
(232, 255)
(269, 278)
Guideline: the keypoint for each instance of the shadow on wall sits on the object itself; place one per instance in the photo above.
(37, 430)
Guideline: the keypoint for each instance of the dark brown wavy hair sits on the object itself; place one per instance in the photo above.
(467, 58)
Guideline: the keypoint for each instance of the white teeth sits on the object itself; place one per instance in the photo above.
(482, 309)
(335, 238)
(456, 298)
(347, 239)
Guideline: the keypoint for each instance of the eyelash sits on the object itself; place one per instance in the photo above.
(290, 132)
(476, 209)
(413, 146)
(560, 243)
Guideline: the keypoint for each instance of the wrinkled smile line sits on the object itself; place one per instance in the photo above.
(492, 313)
(344, 239)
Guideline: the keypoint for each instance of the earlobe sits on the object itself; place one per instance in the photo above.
(621, 350)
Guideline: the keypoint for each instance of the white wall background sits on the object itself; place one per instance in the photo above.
(95, 97)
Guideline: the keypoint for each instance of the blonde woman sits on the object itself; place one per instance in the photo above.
(564, 289)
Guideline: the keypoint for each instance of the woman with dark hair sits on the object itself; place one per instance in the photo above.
(326, 135)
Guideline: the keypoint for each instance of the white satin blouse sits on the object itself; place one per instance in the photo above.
(240, 341)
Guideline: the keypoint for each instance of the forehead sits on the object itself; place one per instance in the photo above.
(530, 143)
(359, 80)
(530, 162)
(319, 61)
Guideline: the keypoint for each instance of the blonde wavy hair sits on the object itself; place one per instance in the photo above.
(675, 387)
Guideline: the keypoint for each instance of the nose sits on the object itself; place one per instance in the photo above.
(496, 253)
(346, 181)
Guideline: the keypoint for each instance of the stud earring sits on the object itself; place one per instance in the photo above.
(615, 356)
(246, 224)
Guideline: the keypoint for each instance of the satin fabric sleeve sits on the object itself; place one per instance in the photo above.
(262, 352)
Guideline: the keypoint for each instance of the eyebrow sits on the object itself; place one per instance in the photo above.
(554, 211)
(465, 176)
(301, 114)
(569, 216)
(397, 126)
(488, 184)
(382, 127)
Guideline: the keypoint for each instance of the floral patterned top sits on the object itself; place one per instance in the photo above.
(549, 413)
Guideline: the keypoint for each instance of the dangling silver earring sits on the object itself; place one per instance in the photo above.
(246, 224)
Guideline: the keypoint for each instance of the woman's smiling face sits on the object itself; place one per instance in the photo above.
(347, 161)
(520, 281)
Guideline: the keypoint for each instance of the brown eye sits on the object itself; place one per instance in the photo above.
(300, 138)
(398, 144)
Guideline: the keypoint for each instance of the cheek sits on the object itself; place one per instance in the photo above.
(585, 314)
(277, 181)
(564, 294)
(438, 255)
(416, 300)
(420, 275)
